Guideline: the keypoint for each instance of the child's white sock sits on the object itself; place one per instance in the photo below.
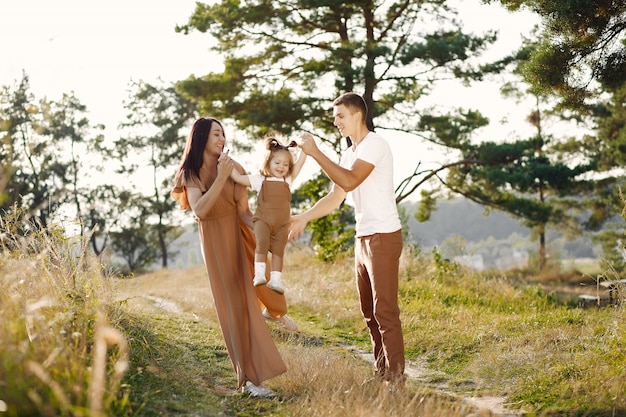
(259, 274)
(275, 282)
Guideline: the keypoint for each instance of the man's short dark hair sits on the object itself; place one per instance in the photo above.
(353, 102)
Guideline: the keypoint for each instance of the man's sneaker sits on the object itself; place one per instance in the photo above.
(257, 390)
(285, 321)
(395, 385)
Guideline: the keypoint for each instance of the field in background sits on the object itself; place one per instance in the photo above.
(74, 341)
(505, 340)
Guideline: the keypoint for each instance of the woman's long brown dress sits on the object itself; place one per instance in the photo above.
(228, 250)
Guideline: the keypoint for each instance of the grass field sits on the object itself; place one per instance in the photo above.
(76, 342)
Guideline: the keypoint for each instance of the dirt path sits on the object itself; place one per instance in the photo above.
(416, 370)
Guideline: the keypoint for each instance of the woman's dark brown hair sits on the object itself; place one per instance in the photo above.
(194, 148)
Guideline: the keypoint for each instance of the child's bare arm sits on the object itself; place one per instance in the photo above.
(240, 178)
(297, 166)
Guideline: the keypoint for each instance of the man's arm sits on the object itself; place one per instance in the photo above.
(346, 178)
(324, 206)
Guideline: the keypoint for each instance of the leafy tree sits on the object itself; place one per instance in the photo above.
(27, 153)
(132, 239)
(609, 148)
(332, 234)
(538, 179)
(157, 118)
(582, 51)
(100, 215)
(606, 202)
(40, 140)
(611, 130)
(75, 139)
(136, 246)
(531, 186)
(581, 58)
(52, 155)
(285, 61)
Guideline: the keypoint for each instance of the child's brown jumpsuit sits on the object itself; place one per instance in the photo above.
(272, 217)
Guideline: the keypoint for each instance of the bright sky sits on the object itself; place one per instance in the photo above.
(96, 47)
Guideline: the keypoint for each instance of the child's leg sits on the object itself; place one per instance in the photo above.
(276, 262)
(275, 283)
(275, 303)
(259, 274)
(261, 232)
(259, 269)
(278, 242)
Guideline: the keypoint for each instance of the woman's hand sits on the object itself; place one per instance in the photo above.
(225, 166)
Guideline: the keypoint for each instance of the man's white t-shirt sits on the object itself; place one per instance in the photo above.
(374, 200)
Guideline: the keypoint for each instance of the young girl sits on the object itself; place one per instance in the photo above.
(273, 212)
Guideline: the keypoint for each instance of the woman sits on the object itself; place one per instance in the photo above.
(203, 184)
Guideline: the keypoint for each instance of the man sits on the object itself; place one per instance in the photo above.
(366, 171)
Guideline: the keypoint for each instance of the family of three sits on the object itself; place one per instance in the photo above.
(235, 242)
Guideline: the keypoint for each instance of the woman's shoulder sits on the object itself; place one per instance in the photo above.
(188, 179)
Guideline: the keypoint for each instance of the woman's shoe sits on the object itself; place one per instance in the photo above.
(285, 321)
(257, 390)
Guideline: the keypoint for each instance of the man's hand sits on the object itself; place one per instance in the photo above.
(308, 144)
(296, 230)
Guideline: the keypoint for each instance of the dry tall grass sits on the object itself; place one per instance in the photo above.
(325, 377)
(466, 335)
(331, 382)
(54, 310)
(479, 334)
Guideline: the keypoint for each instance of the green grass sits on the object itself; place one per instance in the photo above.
(467, 334)
(179, 367)
(491, 335)
(520, 341)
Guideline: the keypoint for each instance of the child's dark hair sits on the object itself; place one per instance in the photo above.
(274, 145)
